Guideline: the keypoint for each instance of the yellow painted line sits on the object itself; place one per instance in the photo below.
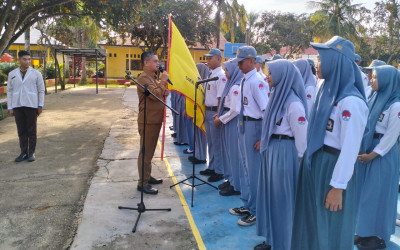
(185, 206)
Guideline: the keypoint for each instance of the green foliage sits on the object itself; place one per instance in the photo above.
(90, 71)
(7, 68)
(279, 30)
(338, 17)
(3, 78)
(50, 71)
(148, 24)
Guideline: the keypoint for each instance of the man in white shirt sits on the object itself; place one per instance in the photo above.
(254, 99)
(213, 92)
(25, 100)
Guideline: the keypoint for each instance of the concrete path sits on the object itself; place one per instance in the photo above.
(40, 201)
(103, 225)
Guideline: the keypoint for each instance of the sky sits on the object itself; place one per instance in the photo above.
(295, 6)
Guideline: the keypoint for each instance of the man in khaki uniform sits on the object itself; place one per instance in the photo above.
(154, 117)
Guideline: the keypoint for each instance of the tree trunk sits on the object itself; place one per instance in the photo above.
(218, 22)
(82, 45)
(28, 40)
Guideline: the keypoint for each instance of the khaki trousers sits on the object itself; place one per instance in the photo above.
(152, 133)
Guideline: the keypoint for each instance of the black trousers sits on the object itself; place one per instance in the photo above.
(26, 119)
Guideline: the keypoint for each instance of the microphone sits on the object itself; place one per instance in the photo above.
(208, 80)
(162, 70)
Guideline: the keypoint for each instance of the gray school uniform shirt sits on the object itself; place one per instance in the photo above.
(28, 92)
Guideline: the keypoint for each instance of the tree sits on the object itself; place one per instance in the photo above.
(285, 30)
(338, 17)
(16, 16)
(228, 16)
(387, 30)
(148, 25)
(252, 20)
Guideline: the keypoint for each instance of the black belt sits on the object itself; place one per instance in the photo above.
(214, 108)
(248, 118)
(378, 136)
(282, 137)
(226, 109)
(330, 150)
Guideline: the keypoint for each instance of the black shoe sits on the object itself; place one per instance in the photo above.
(188, 151)
(21, 157)
(372, 242)
(207, 172)
(229, 191)
(215, 177)
(171, 127)
(31, 157)
(173, 135)
(239, 211)
(262, 246)
(358, 239)
(247, 220)
(180, 143)
(154, 181)
(196, 161)
(224, 185)
(147, 189)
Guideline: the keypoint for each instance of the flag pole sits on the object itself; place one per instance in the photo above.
(165, 98)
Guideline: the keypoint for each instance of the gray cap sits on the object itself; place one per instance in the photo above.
(214, 52)
(245, 52)
(259, 60)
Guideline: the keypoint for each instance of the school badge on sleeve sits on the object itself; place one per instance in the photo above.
(301, 120)
(235, 92)
(261, 86)
(346, 115)
(308, 96)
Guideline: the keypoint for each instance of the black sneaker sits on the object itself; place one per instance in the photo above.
(188, 151)
(196, 161)
(215, 177)
(262, 246)
(248, 220)
(173, 135)
(359, 239)
(21, 157)
(207, 172)
(224, 185)
(229, 191)
(239, 211)
(372, 243)
(31, 157)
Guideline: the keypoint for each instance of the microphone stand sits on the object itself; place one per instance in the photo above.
(193, 176)
(141, 208)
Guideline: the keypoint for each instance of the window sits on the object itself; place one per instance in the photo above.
(115, 54)
(110, 55)
(136, 65)
(127, 64)
(127, 55)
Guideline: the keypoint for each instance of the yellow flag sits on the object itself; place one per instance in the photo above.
(183, 73)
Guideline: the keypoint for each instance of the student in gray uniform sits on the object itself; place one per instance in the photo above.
(227, 119)
(201, 142)
(254, 99)
(213, 92)
(283, 142)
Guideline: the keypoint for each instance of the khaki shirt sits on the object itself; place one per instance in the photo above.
(155, 109)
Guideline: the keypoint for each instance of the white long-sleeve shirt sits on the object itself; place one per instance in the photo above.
(294, 124)
(28, 92)
(231, 101)
(388, 125)
(344, 131)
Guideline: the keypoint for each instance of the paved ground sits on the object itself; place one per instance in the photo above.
(41, 201)
(103, 225)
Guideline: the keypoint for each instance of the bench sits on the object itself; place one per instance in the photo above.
(2, 101)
